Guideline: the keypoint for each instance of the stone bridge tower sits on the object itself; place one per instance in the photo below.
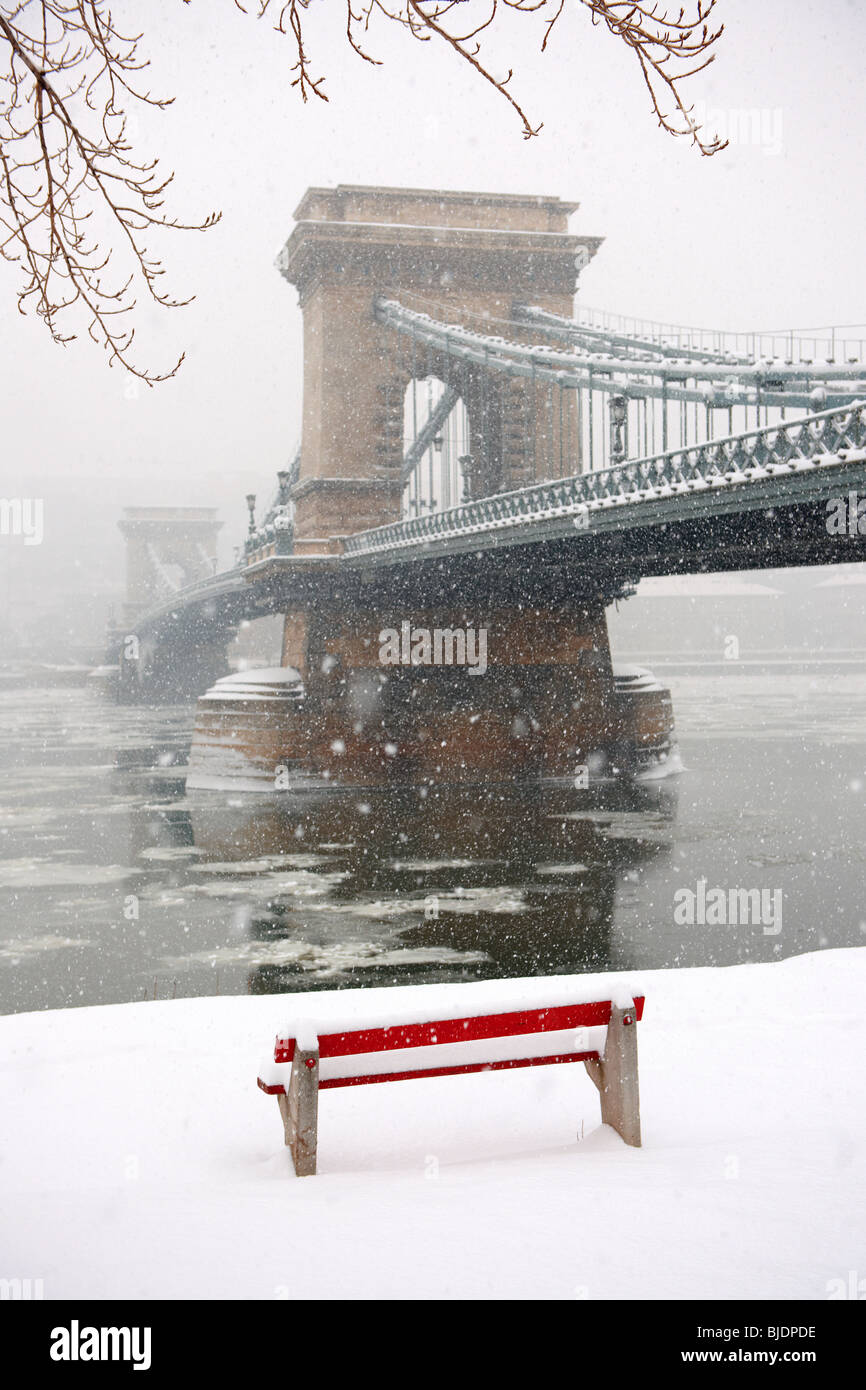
(460, 257)
(166, 549)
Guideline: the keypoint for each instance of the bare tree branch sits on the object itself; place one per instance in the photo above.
(78, 205)
(669, 47)
(75, 204)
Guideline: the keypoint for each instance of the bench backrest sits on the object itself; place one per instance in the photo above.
(458, 1030)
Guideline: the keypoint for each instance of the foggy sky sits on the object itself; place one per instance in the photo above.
(758, 236)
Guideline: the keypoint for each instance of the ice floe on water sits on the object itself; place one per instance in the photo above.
(497, 900)
(625, 825)
(265, 864)
(428, 866)
(325, 961)
(504, 899)
(169, 854)
(372, 910)
(28, 816)
(828, 707)
(49, 873)
(15, 949)
(267, 886)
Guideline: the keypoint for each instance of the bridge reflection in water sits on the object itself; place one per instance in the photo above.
(412, 888)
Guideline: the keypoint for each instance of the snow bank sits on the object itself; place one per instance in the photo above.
(140, 1160)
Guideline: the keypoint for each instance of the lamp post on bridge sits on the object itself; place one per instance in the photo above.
(251, 507)
(618, 423)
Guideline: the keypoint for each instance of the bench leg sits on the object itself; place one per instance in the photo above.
(616, 1077)
(300, 1112)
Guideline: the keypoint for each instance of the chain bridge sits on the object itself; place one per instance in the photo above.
(475, 449)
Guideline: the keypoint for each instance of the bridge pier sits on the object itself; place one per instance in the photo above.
(455, 693)
(440, 691)
(174, 671)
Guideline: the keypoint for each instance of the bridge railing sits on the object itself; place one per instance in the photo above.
(199, 591)
(275, 531)
(791, 446)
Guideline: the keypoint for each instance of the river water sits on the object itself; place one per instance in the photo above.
(116, 886)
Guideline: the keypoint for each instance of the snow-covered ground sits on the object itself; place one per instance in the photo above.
(139, 1159)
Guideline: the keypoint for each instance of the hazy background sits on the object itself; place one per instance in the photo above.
(766, 234)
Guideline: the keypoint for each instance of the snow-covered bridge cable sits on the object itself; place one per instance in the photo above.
(830, 343)
(584, 335)
(208, 561)
(172, 581)
(731, 382)
(426, 435)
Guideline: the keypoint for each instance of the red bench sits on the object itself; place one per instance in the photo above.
(602, 1034)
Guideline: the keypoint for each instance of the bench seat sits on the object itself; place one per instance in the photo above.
(600, 1033)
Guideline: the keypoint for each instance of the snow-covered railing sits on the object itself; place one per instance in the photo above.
(276, 530)
(214, 586)
(793, 446)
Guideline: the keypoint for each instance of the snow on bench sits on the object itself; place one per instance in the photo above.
(600, 1033)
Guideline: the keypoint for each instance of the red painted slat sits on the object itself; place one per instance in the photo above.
(454, 1030)
(440, 1071)
(455, 1071)
(270, 1090)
